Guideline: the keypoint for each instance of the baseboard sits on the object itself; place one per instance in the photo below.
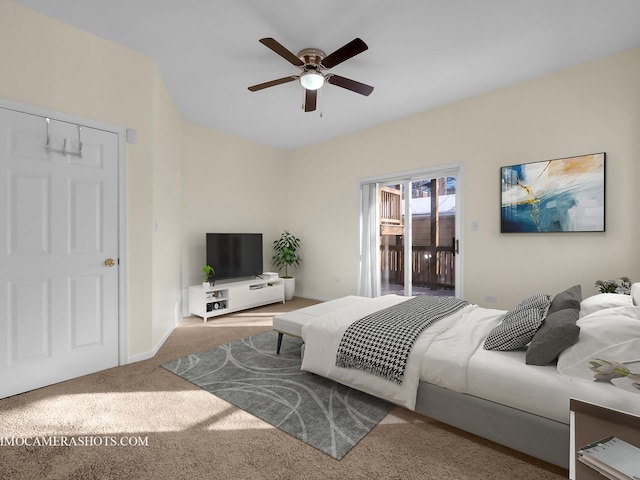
(150, 354)
(311, 297)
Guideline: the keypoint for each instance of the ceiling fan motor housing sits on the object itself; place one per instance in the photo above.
(312, 58)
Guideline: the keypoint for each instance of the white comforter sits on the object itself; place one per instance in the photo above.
(457, 336)
(450, 354)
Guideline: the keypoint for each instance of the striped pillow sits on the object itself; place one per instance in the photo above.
(519, 325)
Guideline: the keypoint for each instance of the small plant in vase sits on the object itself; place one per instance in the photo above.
(286, 255)
(621, 285)
(208, 272)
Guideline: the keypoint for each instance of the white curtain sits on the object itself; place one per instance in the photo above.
(369, 274)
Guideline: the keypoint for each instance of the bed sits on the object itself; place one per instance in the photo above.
(504, 375)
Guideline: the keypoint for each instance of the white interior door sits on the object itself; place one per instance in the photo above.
(58, 228)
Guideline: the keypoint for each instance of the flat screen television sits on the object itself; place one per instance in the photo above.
(235, 255)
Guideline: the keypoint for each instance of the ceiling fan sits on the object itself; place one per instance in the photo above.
(313, 63)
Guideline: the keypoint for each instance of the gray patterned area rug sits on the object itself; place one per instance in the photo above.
(248, 373)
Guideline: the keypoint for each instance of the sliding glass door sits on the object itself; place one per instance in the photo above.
(414, 234)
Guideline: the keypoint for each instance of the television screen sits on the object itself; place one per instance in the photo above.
(234, 255)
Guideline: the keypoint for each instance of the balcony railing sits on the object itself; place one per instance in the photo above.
(390, 206)
(435, 270)
(390, 201)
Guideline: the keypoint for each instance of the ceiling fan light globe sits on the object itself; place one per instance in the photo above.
(312, 80)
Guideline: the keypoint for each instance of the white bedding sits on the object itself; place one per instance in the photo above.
(322, 338)
(503, 377)
(457, 361)
(450, 354)
(445, 362)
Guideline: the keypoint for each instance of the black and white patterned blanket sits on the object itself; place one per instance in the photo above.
(380, 343)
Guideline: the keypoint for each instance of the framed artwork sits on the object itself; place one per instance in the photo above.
(562, 195)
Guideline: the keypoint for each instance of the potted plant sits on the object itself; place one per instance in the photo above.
(207, 281)
(622, 285)
(286, 255)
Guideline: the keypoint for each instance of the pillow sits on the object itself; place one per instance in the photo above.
(570, 298)
(635, 293)
(612, 335)
(519, 324)
(557, 333)
(604, 300)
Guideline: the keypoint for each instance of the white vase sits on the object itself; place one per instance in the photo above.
(289, 287)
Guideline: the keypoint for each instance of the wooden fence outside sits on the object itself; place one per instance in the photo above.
(435, 270)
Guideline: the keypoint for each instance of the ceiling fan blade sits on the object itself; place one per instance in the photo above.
(282, 51)
(273, 83)
(361, 88)
(351, 49)
(310, 98)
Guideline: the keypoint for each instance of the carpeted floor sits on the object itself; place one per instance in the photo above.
(184, 432)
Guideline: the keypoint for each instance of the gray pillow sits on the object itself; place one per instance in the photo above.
(558, 332)
(570, 298)
(519, 325)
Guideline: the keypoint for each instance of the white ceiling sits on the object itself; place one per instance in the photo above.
(422, 53)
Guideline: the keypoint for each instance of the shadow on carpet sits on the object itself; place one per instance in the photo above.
(248, 373)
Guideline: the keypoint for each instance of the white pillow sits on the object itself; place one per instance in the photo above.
(635, 293)
(603, 300)
(612, 334)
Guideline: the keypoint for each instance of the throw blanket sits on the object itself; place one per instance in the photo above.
(380, 342)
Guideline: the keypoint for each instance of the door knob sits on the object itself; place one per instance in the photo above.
(109, 262)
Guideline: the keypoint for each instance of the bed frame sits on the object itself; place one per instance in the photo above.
(532, 434)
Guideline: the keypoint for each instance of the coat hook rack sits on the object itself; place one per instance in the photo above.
(64, 150)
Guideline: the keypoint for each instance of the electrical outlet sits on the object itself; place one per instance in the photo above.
(490, 299)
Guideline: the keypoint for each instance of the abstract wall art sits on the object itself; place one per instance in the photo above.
(562, 195)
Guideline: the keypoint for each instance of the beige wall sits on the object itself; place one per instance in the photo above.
(50, 65)
(184, 180)
(590, 108)
(229, 185)
(167, 212)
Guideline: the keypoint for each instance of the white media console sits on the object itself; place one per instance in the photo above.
(233, 296)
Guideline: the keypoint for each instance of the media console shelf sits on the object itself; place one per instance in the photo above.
(234, 296)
